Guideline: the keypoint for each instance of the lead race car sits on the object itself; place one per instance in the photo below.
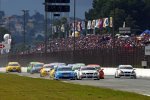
(125, 71)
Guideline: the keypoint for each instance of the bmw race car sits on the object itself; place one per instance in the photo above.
(98, 67)
(125, 71)
(86, 72)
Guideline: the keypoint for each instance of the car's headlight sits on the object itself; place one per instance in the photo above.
(121, 71)
(83, 73)
(95, 73)
(18, 67)
(58, 73)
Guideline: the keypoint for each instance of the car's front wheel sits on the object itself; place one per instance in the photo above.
(98, 79)
(41, 75)
(134, 77)
(116, 76)
(19, 71)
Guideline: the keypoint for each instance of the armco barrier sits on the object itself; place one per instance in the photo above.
(103, 56)
(108, 71)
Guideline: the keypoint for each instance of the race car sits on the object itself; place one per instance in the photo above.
(64, 72)
(86, 72)
(98, 67)
(76, 67)
(55, 65)
(125, 71)
(13, 67)
(34, 67)
(46, 69)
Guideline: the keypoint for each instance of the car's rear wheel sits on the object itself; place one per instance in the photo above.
(31, 72)
(80, 78)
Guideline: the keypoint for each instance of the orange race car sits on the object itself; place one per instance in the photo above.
(98, 67)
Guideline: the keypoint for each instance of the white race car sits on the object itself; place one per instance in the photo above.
(88, 72)
(125, 71)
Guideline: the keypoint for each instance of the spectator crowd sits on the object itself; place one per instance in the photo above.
(91, 42)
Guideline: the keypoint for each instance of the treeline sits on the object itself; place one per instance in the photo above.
(135, 13)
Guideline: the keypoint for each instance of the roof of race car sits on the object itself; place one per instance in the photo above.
(93, 65)
(125, 66)
(13, 62)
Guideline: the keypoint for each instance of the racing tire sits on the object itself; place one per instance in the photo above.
(19, 71)
(98, 78)
(31, 72)
(116, 76)
(80, 78)
(134, 77)
(41, 75)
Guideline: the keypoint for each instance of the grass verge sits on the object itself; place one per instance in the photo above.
(14, 87)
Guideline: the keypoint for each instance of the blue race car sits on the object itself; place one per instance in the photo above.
(64, 72)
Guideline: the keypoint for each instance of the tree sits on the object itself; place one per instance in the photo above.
(136, 13)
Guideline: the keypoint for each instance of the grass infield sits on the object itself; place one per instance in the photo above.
(14, 87)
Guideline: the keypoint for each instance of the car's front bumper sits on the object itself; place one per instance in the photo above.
(45, 73)
(13, 70)
(64, 76)
(90, 76)
(127, 74)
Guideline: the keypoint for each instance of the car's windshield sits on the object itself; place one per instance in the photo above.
(88, 68)
(75, 68)
(80, 64)
(13, 65)
(38, 65)
(97, 67)
(126, 68)
(49, 66)
(64, 69)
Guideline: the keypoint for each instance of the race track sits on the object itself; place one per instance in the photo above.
(139, 85)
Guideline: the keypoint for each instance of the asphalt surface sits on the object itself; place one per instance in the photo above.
(139, 85)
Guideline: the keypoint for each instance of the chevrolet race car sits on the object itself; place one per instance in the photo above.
(64, 72)
(46, 69)
(13, 67)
